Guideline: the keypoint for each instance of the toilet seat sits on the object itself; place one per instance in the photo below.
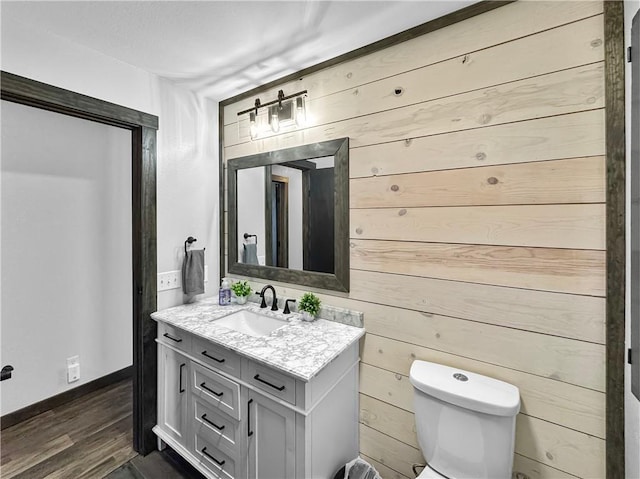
(428, 473)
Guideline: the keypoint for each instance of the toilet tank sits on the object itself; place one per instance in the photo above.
(465, 422)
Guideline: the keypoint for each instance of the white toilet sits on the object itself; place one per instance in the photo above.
(465, 422)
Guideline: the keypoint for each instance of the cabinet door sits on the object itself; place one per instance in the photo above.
(172, 401)
(271, 430)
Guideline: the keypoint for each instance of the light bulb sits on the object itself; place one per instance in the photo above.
(301, 114)
(253, 126)
(275, 120)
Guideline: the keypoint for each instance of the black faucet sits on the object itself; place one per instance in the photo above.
(274, 303)
(286, 306)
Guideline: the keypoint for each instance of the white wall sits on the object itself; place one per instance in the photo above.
(187, 198)
(51, 59)
(66, 254)
(187, 174)
(632, 406)
(250, 193)
(187, 193)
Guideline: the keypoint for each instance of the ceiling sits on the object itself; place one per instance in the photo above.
(222, 48)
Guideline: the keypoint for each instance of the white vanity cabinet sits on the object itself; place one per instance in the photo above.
(233, 417)
(173, 391)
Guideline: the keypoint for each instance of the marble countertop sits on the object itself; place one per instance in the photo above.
(299, 348)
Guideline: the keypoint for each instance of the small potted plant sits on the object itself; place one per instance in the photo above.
(242, 290)
(309, 306)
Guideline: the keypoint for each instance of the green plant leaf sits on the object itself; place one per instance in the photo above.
(241, 288)
(309, 303)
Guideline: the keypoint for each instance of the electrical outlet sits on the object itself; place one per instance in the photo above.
(169, 280)
(173, 279)
(73, 369)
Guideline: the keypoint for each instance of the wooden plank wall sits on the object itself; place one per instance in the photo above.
(477, 221)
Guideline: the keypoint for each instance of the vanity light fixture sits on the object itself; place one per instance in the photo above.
(283, 111)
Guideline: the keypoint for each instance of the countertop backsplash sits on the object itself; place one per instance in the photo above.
(330, 313)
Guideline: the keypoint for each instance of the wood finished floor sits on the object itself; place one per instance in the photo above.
(85, 438)
(90, 437)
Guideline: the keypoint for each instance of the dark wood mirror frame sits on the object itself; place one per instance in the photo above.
(339, 280)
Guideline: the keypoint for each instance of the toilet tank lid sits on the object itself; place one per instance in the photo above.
(477, 392)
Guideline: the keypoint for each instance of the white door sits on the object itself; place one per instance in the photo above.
(271, 435)
(172, 410)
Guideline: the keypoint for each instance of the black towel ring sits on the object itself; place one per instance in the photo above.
(189, 240)
(247, 236)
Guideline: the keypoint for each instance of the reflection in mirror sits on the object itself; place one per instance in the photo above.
(288, 215)
(295, 229)
(251, 203)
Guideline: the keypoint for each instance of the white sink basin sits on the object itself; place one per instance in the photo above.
(250, 323)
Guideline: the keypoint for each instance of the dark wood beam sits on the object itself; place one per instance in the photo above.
(616, 253)
(48, 97)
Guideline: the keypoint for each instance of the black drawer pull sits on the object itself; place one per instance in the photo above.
(219, 428)
(202, 385)
(257, 378)
(181, 366)
(204, 353)
(219, 463)
(249, 431)
(177, 340)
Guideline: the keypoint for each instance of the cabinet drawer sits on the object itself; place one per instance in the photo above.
(219, 429)
(274, 382)
(220, 393)
(175, 337)
(221, 464)
(217, 356)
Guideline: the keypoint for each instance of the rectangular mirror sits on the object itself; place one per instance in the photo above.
(289, 215)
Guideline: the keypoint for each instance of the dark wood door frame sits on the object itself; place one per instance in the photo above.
(282, 220)
(143, 128)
